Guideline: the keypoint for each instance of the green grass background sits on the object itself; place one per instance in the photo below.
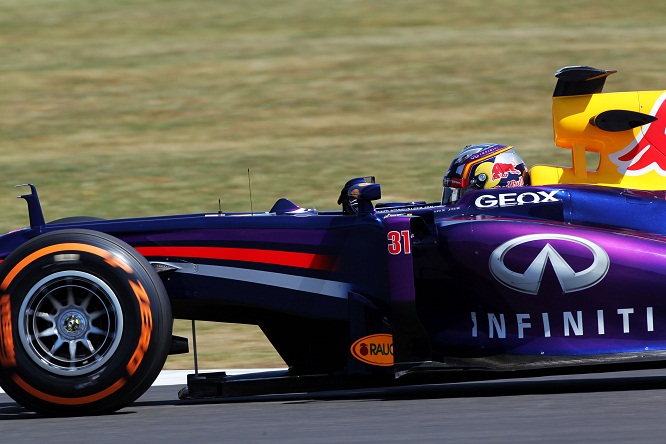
(132, 108)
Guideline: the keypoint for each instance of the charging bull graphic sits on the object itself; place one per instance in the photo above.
(648, 151)
(503, 170)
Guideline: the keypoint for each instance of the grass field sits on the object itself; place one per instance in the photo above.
(133, 108)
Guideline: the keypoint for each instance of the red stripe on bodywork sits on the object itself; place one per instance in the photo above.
(288, 258)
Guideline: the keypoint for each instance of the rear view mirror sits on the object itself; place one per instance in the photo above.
(365, 193)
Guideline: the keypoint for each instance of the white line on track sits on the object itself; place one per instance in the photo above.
(176, 377)
(179, 377)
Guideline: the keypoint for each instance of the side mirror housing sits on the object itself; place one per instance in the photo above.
(365, 193)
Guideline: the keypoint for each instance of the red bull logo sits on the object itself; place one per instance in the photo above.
(503, 170)
(647, 152)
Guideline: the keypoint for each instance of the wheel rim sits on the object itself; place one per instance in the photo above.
(70, 323)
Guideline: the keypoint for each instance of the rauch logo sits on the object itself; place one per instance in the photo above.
(374, 349)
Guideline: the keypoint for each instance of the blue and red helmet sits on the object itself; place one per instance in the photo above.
(483, 166)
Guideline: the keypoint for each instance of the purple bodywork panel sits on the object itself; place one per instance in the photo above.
(554, 289)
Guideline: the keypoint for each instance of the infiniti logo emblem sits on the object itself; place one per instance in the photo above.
(530, 281)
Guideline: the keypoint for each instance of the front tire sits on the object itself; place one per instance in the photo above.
(85, 323)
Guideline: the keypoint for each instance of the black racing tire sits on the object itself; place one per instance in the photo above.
(85, 324)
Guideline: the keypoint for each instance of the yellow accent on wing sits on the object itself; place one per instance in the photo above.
(572, 130)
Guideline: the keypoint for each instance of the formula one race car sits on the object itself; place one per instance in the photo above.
(562, 275)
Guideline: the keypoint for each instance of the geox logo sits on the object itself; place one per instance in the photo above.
(514, 199)
(530, 281)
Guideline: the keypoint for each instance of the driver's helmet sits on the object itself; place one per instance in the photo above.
(483, 166)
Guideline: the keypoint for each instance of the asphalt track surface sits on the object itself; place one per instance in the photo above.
(594, 408)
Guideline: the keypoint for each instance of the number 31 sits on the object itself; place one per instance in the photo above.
(399, 242)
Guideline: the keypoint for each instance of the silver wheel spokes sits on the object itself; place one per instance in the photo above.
(71, 323)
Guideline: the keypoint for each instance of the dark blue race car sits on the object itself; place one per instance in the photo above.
(557, 270)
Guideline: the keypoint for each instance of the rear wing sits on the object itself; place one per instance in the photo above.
(625, 129)
(580, 80)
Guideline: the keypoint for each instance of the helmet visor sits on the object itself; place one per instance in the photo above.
(452, 195)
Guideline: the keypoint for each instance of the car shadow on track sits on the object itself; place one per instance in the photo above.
(12, 410)
(631, 381)
(628, 381)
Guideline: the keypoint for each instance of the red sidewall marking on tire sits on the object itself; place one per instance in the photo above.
(146, 327)
(7, 357)
(108, 257)
(68, 401)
